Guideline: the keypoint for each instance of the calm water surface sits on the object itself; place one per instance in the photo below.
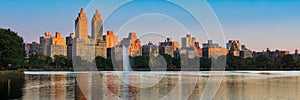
(238, 85)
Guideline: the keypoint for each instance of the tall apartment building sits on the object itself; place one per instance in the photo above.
(58, 45)
(133, 44)
(169, 47)
(45, 42)
(213, 50)
(190, 47)
(88, 47)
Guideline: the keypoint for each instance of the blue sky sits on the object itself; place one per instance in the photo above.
(257, 23)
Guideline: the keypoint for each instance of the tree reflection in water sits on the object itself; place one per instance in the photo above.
(11, 85)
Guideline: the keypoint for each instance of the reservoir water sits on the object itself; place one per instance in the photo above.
(227, 85)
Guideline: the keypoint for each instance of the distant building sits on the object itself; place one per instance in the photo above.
(58, 46)
(245, 52)
(234, 47)
(70, 42)
(83, 44)
(111, 42)
(188, 41)
(27, 49)
(190, 47)
(32, 49)
(150, 50)
(45, 42)
(133, 44)
(169, 47)
(296, 55)
(237, 49)
(271, 54)
(213, 50)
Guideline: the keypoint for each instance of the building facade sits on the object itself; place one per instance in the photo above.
(213, 50)
(169, 47)
(45, 42)
(58, 45)
(150, 50)
(83, 44)
(133, 44)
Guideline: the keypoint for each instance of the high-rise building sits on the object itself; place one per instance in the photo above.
(213, 50)
(150, 50)
(133, 44)
(70, 42)
(190, 47)
(45, 42)
(188, 41)
(296, 55)
(234, 47)
(97, 35)
(83, 45)
(58, 45)
(32, 49)
(111, 42)
(81, 25)
(97, 27)
(169, 47)
(245, 52)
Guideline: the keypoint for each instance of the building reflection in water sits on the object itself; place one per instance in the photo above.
(49, 87)
(111, 87)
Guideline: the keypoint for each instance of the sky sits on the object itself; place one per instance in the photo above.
(259, 24)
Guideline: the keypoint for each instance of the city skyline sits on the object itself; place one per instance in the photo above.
(273, 28)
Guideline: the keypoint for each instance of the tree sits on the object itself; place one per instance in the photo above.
(205, 62)
(168, 59)
(278, 62)
(12, 51)
(235, 62)
(60, 61)
(263, 61)
(141, 62)
(298, 62)
(101, 62)
(249, 62)
(288, 61)
(39, 61)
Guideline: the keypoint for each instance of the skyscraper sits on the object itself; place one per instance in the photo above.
(83, 44)
(81, 25)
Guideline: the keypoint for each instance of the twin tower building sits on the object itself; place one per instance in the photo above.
(85, 46)
(80, 44)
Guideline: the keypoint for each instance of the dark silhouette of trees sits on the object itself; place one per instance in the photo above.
(11, 49)
(263, 61)
(289, 62)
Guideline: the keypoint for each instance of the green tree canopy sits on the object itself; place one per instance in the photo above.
(263, 61)
(288, 61)
(12, 51)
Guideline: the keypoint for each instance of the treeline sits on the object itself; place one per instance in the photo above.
(40, 61)
(262, 62)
